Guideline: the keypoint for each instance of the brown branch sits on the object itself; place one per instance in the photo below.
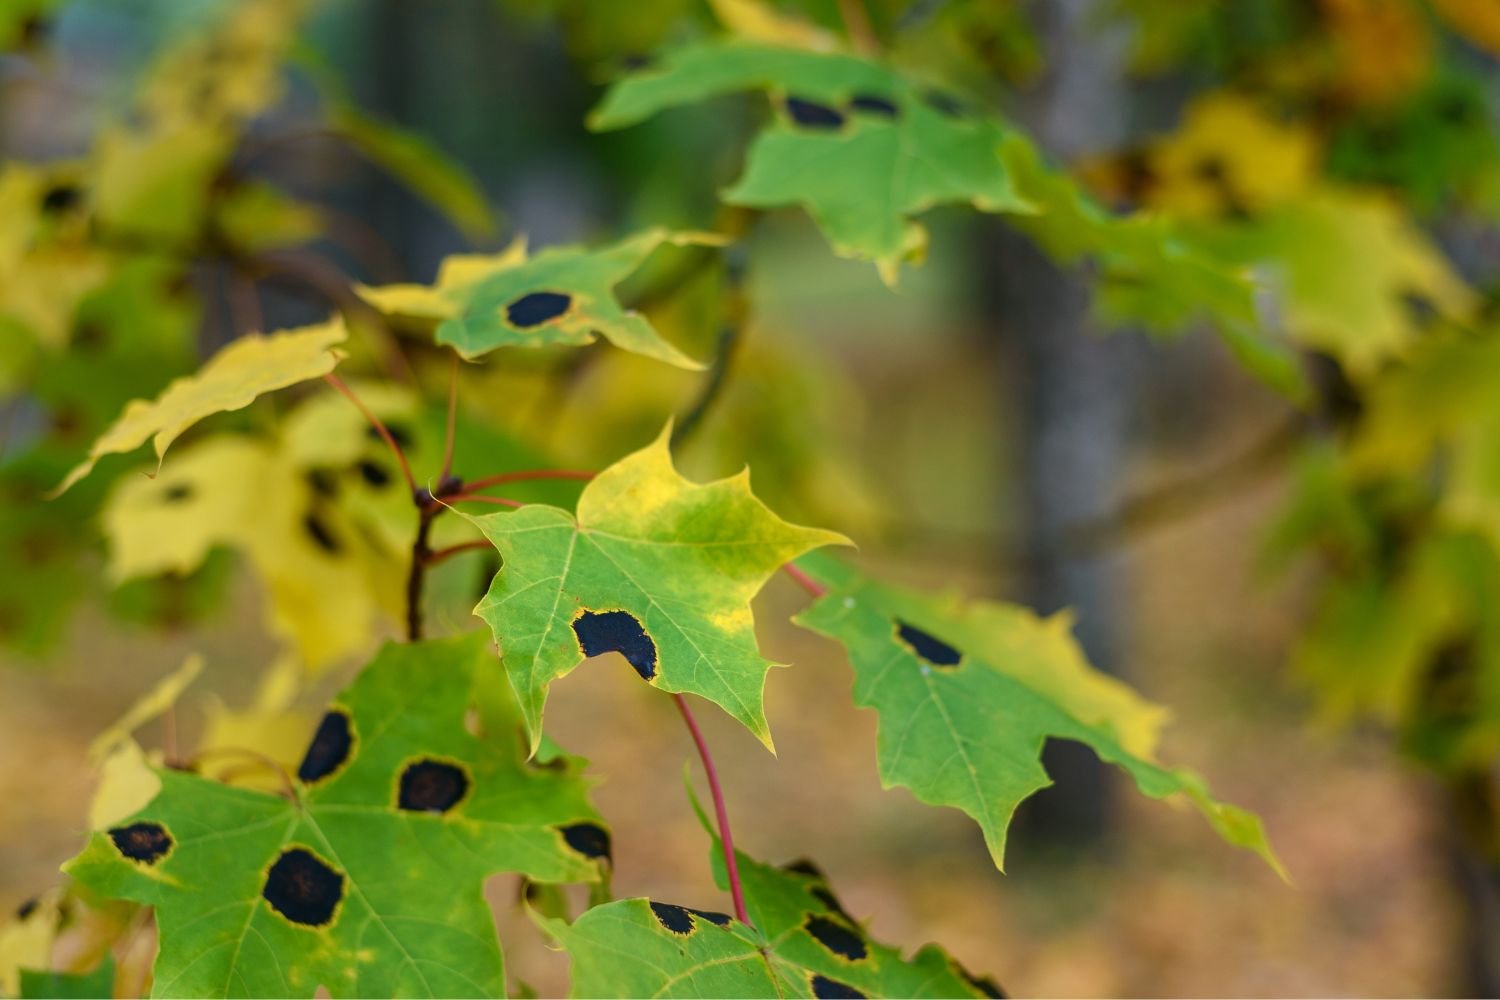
(726, 837)
(380, 428)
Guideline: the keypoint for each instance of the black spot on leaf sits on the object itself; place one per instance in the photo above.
(329, 748)
(874, 104)
(677, 919)
(319, 532)
(89, 336)
(302, 888)
(616, 632)
(822, 986)
(930, 648)
(399, 432)
(944, 103)
(811, 114)
(985, 985)
(589, 839)
(836, 938)
(177, 493)
(321, 482)
(803, 866)
(144, 842)
(27, 908)
(825, 896)
(374, 474)
(536, 308)
(712, 916)
(61, 197)
(1419, 307)
(432, 786)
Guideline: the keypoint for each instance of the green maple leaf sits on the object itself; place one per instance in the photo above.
(862, 147)
(370, 884)
(968, 694)
(802, 943)
(653, 566)
(563, 296)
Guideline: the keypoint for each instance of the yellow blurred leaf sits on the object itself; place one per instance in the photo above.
(268, 726)
(26, 942)
(162, 696)
(1382, 48)
(232, 379)
(1476, 20)
(759, 22)
(126, 784)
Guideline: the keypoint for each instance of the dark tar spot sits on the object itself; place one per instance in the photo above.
(302, 888)
(634, 62)
(27, 908)
(930, 648)
(616, 632)
(1211, 170)
(984, 984)
(825, 896)
(712, 916)
(589, 839)
(432, 786)
(677, 919)
(836, 938)
(374, 474)
(1419, 307)
(321, 482)
(803, 866)
(874, 104)
(536, 308)
(811, 114)
(319, 533)
(62, 197)
(944, 103)
(822, 986)
(400, 433)
(145, 842)
(329, 748)
(89, 336)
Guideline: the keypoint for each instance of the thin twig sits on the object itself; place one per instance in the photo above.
(472, 498)
(804, 581)
(857, 23)
(526, 475)
(380, 428)
(726, 837)
(443, 555)
(713, 385)
(416, 576)
(269, 763)
(448, 435)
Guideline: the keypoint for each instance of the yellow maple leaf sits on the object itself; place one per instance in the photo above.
(758, 22)
(232, 379)
(158, 700)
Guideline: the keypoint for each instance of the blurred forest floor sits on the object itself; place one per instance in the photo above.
(1166, 909)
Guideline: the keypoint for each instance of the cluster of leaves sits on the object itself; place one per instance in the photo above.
(347, 852)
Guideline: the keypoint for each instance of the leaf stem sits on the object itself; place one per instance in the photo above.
(472, 498)
(442, 555)
(525, 476)
(726, 838)
(448, 434)
(380, 428)
(270, 764)
(416, 577)
(806, 582)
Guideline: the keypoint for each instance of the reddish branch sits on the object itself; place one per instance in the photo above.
(443, 555)
(806, 582)
(726, 838)
(518, 477)
(380, 428)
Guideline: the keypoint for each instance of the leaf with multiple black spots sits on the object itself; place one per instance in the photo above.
(653, 566)
(969, 692)
(858, 147)
(371, 884)
(797, 947)
(563, 296)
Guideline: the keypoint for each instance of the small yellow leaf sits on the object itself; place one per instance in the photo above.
(26, 942)
(269, 726)
(232, 379)
(758, 22)
(126, 784)
(162, 696)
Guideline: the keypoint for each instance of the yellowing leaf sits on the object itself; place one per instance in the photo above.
(161, 698)
(758, 22)
(1383, 49)
(269, 726)
(1354, 270)
(654, 567)
(26, 942)
(1478, 22)
(156, 183)
(1229, 158)
(126, 783)
(232, 379)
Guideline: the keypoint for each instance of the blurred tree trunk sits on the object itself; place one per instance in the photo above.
(1074, 396)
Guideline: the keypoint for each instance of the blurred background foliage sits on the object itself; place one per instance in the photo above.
(1301, 555)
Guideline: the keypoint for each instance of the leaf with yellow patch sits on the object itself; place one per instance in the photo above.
(654, 567)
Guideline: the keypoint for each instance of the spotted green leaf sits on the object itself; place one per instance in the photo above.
(654, 567)
(802, 944)
(863, 148)
(969, 692)
(563, 296)
(370, 883)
